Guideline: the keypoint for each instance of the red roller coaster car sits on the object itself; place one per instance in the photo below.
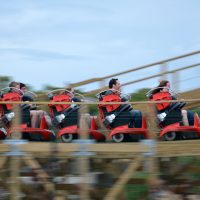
(170, 120)
(6, 117)
(124, 123)
(65, 116)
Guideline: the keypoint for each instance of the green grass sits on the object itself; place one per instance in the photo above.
(136, 191)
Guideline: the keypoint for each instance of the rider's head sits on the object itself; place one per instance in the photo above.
(69, 91)
(114, 84)
(14, 84)
(23, 87)
(164, 85)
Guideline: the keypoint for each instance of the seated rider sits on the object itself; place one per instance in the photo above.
(123, 114)
(65, 114)
(6, 114)
(35, 115)
(160, 93)
(15, 94)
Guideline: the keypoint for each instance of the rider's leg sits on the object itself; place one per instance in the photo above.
(190, 116)
(185, 117)
(48, 119)
(136, 119)
(36, 116)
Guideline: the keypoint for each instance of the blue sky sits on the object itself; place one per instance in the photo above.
(56, 42)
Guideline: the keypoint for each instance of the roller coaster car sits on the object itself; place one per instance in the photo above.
(117, 117)
(169, 116)
(7, 115)
(65, 116)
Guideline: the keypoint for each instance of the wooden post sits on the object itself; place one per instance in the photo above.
(83, 159)
(15, 159)
(16, 123)
(152, 122)
(14, 175)
(84, 119)
(3, 160)
(151, 160)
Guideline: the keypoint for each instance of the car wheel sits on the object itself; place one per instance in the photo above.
(118, 137)
(67, 138)
(170, 136)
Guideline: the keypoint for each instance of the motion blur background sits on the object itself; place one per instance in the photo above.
(54, 44)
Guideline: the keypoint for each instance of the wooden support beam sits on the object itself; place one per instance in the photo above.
(112, 150)
(83, 161)
(178, 148)
(41, 174)
(14, 178)
(67, 148)
(124, 178)
(3, 160)
(15, 159)
(16, 122)
(4, 148)
(84, 119)
(151, 159)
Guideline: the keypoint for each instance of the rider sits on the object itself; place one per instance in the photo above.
(64, 115)
(36, 115)
(14, 88)
(164, 87)
(5, 119)
(124, 114)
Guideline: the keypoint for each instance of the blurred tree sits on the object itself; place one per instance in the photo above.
(50, 87)
(4, 81)
(140, 95)
(5, 78)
